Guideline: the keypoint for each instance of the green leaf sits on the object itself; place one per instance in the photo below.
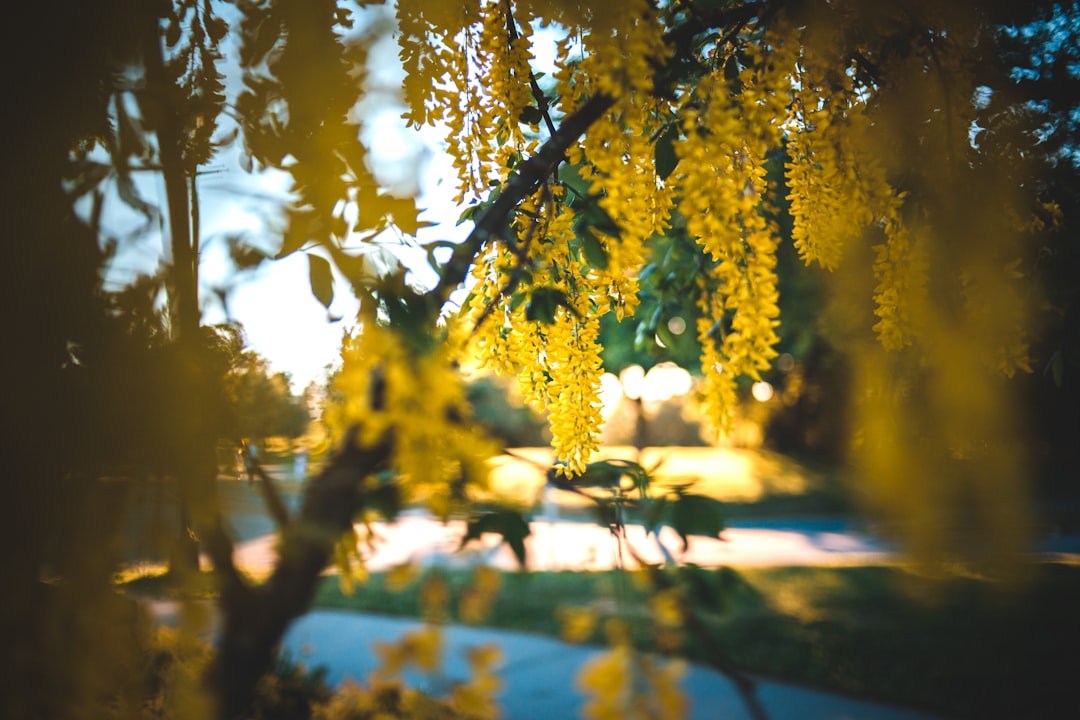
(508, 523)
(467, 213)
(244, 255)
(531, 115)
(605, 514)
(664, 334)
(594, 251)
(217, 29)
(516, 299)
(302, 224)
(602, 473)
(404, 213)
(543, 304)
(322, 279)
(696, 515)
(172, 33)
(664, 155)
(384, 499)
(732, 69)
(655, 511)
(88, 176)
(597, 217)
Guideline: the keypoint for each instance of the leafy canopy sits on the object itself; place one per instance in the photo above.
(673, 149)
(664, 120)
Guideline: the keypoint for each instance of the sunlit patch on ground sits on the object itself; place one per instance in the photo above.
(727, 474)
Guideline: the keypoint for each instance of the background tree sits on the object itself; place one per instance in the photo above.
(263, 402)
(668, 113)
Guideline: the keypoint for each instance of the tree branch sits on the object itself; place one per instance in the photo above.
(531, 173)
(274, 504)
(219, 547)
(184, 303)
(254, 621)
(537, 93)
(495, 218)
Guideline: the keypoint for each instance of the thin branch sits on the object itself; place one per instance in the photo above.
(744, 684)
(946, 94)
(185, 303)
(274, 504)
(538, 94)
(522, 254)
(867, 66)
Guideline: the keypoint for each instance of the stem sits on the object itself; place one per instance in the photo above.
(538, 94)
(274, 504)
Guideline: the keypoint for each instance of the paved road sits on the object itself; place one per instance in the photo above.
(538, 673)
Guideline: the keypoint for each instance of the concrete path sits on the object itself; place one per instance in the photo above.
(538, 673)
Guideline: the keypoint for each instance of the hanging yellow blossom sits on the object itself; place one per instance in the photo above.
(573, 361)
(901, 272)
(722, 184)
(417, 400)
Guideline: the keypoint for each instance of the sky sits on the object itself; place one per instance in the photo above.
(282, 320)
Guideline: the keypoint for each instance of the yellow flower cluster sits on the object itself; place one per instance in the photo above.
(463, 70)
(822, 226)
(477, 599)
(428, 33)
(900, 296)
(417, 400)
(385, 696)
(488, 312)
(994, 310)
(576, 624)
(837, 187)
(620, 49)
(721, 176)
(557, 365)
(421, 648)
(622, 685)
(476, 698)
(616, 158)
(572, 356)
(717, 391)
